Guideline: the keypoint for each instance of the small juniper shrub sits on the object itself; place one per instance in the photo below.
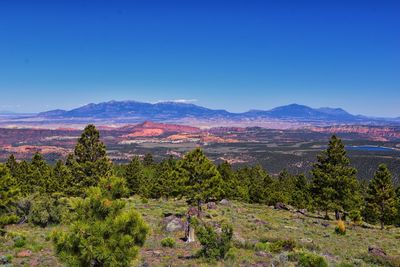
(168, 242)
(282, 245)
(355, 216)
(311, 260)
(262, 246)
(214, 246)
(19, 241)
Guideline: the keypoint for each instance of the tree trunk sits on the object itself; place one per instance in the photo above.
(190, 237)
(337, 215)
(326, 215)
(198, 208)
(189, 231)
(382, 215)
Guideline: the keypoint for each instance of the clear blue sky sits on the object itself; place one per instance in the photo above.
(235, 55)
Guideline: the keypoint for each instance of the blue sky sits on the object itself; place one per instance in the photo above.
(236, 55)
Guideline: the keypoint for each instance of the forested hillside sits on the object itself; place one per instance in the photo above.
(87, 211)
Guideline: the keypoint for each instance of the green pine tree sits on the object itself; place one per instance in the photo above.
(260, 184)
(148, 160)
(231, 187)
(166, 179)
(9, 193)
(12, 165)
(199, 178)
(134, 175)
(63, 179)
(381, 197)
(334, 183)
(90, 160)
(39, 176)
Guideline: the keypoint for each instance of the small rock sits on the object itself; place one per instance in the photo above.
(24, 254)
(377, 251)
(211, 205)
(157, 253)
(34, 263)
(306, 240)
(302, 211)
(260, 222)
(174, 225)
(326, 235)
(325, 224)
(225, 202)
(193, 211)
(367, 225)
(291, 227)
(238, 239)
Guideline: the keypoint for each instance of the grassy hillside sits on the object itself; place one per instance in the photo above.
(257, 231)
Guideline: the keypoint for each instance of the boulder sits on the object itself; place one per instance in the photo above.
(281, 206)
(174, 225)
(377, 251)
(24, 254)
(211, 205)
(225, 202)
(302, 211)
(367, 225)
(325, 224)
(4, 260)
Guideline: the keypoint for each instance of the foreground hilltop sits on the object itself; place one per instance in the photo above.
(255, 226)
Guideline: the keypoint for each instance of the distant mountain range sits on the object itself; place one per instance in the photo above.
(135, 112)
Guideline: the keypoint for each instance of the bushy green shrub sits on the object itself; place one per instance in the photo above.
(311, 260)
(19, 241)
(9, 219)
(345, 264)
(282, 245)
(262, 246)
(168, 242)
(45, 210)
(214, 245)
(355, 216)
(102, 232)
(231, 254)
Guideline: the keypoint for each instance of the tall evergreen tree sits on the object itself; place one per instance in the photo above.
(89, 147)
(39, 176)
(199, 178)
(63, 179)
(12, 165)
(381, 198)
(148, 160)
(90, 161)
(260, 183)
(301, 197)
(166, 179)
(334, 184)
(9, 193)
(134, 175)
